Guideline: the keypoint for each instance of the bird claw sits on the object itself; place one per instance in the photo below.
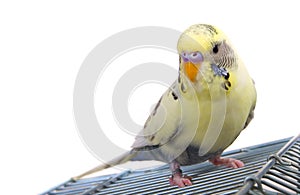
(180, 181)
(228, 162)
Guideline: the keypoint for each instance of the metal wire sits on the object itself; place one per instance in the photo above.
(207, 179)
(281, 173)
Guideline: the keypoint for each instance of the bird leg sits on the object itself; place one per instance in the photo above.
(177, 178)
(228, 162)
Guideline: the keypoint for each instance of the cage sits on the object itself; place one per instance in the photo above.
(270, 168)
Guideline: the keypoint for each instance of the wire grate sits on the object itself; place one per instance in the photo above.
(278, 174)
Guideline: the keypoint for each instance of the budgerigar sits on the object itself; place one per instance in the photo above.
(203, 111)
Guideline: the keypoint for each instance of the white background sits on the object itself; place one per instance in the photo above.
(43, 44)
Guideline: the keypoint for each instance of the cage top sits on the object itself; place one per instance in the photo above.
(263, 172)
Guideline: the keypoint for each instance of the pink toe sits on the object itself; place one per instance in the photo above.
(181, 184)
(171, 181)
(180, 181)
(228, 162)
(188, 182)
(239, 163)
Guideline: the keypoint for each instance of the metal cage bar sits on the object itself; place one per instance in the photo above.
(207, 179)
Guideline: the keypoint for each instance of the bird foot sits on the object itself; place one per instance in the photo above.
(177, 178)
(180, 181)
(228, 162)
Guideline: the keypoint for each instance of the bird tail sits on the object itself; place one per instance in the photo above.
(119, 160)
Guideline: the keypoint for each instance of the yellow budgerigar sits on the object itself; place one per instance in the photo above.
(203, 111)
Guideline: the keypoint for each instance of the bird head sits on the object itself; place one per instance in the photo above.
(202, 46)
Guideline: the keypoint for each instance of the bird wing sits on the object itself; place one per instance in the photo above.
(162, 124)
(251, 113)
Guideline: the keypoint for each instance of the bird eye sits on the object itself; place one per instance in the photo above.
(216, 48)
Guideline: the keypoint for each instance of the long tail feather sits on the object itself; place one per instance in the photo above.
(119, 160)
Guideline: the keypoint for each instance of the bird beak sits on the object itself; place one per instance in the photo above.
(191, 70)
(191, 63)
